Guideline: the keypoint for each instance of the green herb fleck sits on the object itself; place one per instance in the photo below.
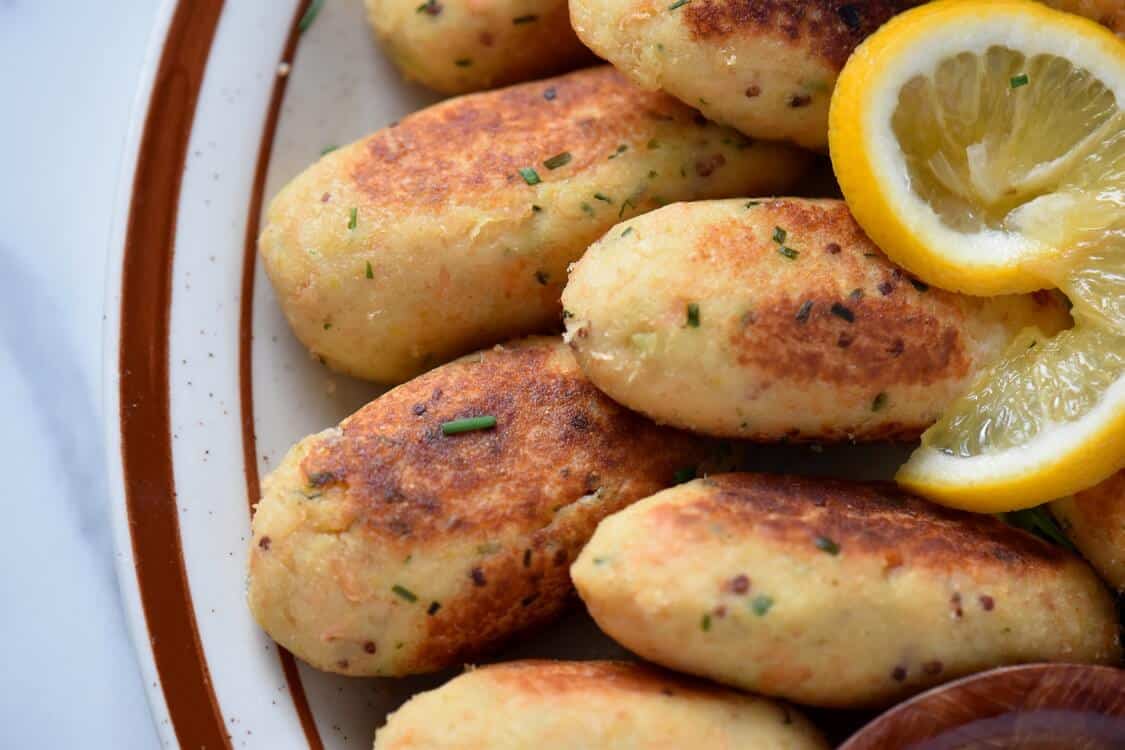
(788, 252)
(627, 203)
(620, 150)
(761, 604)
(879, 402)
(542, 277)
(804, 311)
(530, 176)
(432, 7)
(693, 314)
(628, 230)
(705, 623)
(464, 62)
(779, 235)
(1039, 521)
(558, 160)
(328, 150)
(601, 560)
(469, 424)
(536, 209)
(824, 544)
(651, 173)
(678, 4)
(603, 197)
(1020, 80)
(353, 218)
(433, 608)
(842, 312)
(751, 204)
(529, 18)
(327, 326)
(587, 208)
(310, 15)
(685, 474)
(405, 593)
(369, 272)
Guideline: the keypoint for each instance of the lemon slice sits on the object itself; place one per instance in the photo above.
(978, 142)
(1046, 421)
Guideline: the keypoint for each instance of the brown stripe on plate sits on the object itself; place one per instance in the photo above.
(146, 434)
(245, 359)
(245, 351)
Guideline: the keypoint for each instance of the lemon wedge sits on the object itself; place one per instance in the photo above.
(982, 146)
(1045, 421)
(975, 140)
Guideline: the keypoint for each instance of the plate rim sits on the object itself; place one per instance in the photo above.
(136, 389)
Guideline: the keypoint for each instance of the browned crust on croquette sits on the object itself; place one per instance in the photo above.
(829, 29)
(557, 439)
(895, 330)
(870, 519)
(476, 144)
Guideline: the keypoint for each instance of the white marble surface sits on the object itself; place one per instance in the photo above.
(68, 74)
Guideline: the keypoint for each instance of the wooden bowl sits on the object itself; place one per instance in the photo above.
(1030, 707)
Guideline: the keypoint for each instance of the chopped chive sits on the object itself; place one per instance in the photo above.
(603, 197)
(1038, 521)
(628, 230)
(369, 272)
(620, 150)
(536, 209)
(751, 204)
(1020, 80)
(705, 623)
(879, 402)
(353, 218)
(558, 160)
(779, 235)
(693, 314)
(542, 277)
(842, 312)
(529, 18)
(761, 604)
(601, 560)
(328, 326)
(685, 474)
(804, 311)
(328, 150)
(651, 173)
(627, 203)
(468, 424)
(678, 4)
(788, 252)
(433, 608)
(587, 208)
(310, 15)
(921, 286)
(824, 544)
(529, 175)
(464, 62)
(432, 7)
(849, 14)
(405, 593)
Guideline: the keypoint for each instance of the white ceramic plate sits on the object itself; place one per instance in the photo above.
(209, 385)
